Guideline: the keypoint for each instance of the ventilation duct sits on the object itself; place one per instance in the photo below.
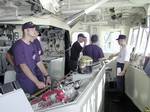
(72, 20)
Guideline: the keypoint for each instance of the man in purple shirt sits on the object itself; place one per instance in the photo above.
(30, 71)
(92, 50)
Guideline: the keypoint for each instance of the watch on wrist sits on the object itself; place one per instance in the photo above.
(46, 76)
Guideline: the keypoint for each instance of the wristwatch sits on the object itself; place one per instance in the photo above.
(46, 76)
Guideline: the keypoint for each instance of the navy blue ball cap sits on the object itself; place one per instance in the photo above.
(121, 37)
(28, 25)
(81, 35)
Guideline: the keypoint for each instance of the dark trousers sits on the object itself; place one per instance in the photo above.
(26, 84)
(121, 79)
(73, 65)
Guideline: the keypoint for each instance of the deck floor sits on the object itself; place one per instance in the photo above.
(124, 105)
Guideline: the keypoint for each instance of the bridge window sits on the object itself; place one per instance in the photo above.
(143, 41)
(110, 43)
(133, 37)
(138, 38)
(139, 41)
(147, 53)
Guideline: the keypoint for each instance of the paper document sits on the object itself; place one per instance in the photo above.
(119, 71)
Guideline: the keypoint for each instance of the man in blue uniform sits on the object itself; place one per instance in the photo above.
(92, 50)
(30, 71)
(37, 46)
(75, 51)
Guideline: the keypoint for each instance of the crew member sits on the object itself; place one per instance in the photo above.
(30, 71)
(93, 50)
(76, 50)
(122, 63)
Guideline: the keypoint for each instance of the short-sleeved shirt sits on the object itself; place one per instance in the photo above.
(75, 51)
(38, 46)
(93, 51)
(28, 54)
(25, 54)
(36, 42)
(124, 55)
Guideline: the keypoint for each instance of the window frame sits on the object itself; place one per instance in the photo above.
(148, 41)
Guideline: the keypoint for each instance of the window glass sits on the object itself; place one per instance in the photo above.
(147, 53)
(130, 36)
(142, 42)
(138, 41)
(110, 43)
(134, 37)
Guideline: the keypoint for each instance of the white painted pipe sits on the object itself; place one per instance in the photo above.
(76, 17)
(92, 8)
(71, 21)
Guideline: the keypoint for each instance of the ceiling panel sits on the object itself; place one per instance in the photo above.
(126, 8)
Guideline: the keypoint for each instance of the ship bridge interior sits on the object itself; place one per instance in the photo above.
(58, 23)
(107, 12)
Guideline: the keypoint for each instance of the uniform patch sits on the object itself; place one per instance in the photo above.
(33, 57)
(40, 52)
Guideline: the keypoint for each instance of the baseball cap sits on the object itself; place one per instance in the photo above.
(28, 25)
(81, 35)
(121, 37)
